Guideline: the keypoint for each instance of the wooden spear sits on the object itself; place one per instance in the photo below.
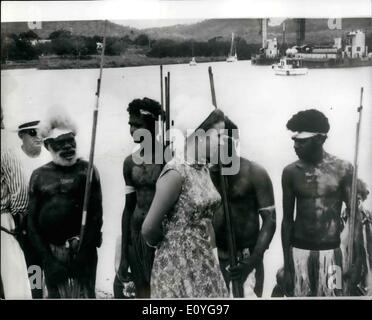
(236, 285)
(88, 182)
(354, 194)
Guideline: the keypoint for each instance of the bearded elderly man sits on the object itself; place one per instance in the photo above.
(55, 209)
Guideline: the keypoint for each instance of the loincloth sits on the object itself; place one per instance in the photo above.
(74, 287)
(317, 272)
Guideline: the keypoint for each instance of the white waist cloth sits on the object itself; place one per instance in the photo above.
(13, 265)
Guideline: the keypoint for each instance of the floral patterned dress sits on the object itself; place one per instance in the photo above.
(184, 264)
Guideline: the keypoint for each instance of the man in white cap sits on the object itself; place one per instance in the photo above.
(318, 184)
(31, 141)
(31, 156)
(55, 210)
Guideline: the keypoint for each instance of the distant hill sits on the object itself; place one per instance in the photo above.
(249, 29)
(317, 30)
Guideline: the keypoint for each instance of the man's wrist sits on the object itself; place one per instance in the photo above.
(256, 256)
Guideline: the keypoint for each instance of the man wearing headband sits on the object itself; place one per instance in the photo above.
(55, 209)
(250, 193)
(140, 181)
(317, 184)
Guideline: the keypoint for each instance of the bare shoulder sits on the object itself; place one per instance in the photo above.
(38, 174)
(44, 168)
(127, 168)
(257, 169)
(128, 163)
(172, 176)
(290, 168)
(255, 173)
(340, 164)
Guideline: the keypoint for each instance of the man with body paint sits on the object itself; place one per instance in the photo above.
(251, 196)
(315, 187)
(136, 257)
(55, 215)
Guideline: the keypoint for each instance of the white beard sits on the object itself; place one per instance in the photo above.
(57, 159)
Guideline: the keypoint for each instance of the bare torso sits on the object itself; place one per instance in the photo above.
(320, 192)
(245, 201)
(143, 178)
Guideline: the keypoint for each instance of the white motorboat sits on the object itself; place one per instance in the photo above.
(289, 67)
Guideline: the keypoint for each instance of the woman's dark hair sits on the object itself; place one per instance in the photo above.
(232, 133)
(214, 117)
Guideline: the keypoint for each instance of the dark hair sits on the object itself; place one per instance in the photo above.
(309, 120)
(146, 104)
(148, 109)
(231, 128)
(232, 133)
(214, 117)
(362, 189)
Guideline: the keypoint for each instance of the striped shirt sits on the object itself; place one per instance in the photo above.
(14, 191)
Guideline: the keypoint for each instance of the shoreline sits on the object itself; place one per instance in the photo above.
(58, 63)
(93, 62)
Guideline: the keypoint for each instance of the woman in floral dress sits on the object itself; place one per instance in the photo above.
(179, 221)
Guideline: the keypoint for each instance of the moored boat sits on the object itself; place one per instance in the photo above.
(193, 62)
(289, 67)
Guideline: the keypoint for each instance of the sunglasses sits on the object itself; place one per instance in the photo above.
(30, 132)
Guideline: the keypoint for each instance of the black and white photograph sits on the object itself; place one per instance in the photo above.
(186, 150)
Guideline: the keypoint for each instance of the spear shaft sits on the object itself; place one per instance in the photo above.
(236, 285)
(354, 192)
(88, 182)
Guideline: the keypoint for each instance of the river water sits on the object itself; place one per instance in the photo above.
(258, 101)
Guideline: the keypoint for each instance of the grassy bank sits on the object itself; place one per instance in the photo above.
(55, 62)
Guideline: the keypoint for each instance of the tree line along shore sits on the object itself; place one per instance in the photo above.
(63, 50)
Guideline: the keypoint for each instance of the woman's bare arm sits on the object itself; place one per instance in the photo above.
(168, 189)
